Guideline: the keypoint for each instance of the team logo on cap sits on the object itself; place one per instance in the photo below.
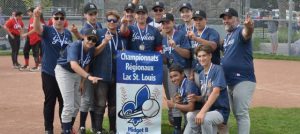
(157, 3)
(129, 4)
(141, 7)
(184, 4)
(92, 6)
(59, 9)
(197, 12)
(227, 10)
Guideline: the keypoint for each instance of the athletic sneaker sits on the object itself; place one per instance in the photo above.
(49, 132)
(24, 68)
(34, 69)
(16, 66)
(81, 130)
(103, 131)
(112, 132)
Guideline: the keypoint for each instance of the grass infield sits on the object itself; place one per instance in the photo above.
(263, 121)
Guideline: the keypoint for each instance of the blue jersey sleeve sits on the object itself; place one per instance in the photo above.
(193, 89)
(46, 30)
(218, 79)
(101, 35)
(241, 37)
(74, 52)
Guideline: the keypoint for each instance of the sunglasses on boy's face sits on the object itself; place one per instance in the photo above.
(92, 38)
(59, 18)
(112, 20)
(157, 9)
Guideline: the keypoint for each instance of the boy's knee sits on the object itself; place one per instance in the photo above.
(190, 116)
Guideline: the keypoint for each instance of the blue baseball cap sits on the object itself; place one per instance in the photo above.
(59, 11)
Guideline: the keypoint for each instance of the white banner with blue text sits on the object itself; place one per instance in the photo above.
(139, 92)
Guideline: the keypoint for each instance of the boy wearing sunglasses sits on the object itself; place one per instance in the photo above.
(90, 13)
(54, 38)
(203, 35)
(158, 11)
(105, 66)
(70, 69)
(50, 22)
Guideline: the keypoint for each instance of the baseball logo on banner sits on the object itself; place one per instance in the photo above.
(139, 90)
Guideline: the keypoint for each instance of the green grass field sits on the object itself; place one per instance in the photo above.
(275, 57)
(263, 121)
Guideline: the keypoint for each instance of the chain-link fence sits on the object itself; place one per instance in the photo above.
(277, 29)
(279, 12)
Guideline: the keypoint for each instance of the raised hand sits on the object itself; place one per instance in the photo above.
(163, 31)
(74, 29)
(248, 28)
(191, 35)
(37, 11)
(171, 42)
(107, 38)
(248, 22)
(125, 21)
(135, 2)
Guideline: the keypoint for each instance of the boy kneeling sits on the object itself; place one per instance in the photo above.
(214, 97)
(180, 101)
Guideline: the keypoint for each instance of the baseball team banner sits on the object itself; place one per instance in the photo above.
(139, 92)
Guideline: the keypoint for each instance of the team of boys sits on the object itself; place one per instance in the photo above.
(81, 74)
